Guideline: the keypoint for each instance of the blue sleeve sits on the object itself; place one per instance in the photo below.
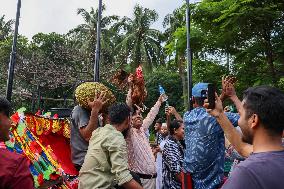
(233, 117)
(241, 178)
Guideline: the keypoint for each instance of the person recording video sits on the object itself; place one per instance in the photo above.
(204, 139)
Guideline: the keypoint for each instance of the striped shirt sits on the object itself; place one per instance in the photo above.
(173, 155)
(140, 156)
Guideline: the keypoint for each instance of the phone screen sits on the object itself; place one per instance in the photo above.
(211, 96)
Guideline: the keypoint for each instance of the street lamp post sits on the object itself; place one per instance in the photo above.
(98, 45)
(189, 57)
(13, 55)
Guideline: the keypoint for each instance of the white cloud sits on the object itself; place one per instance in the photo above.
(60, 15)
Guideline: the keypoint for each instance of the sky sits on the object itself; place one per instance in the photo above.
(61, 15)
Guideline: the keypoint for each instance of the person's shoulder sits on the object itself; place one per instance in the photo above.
(111, 132)
(232, 114)
(11, 158)
(79, 109)
(263, 157)
(196, 112)
(251, 163)
(170, 143)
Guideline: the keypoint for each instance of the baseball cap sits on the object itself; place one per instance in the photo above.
(196, 90)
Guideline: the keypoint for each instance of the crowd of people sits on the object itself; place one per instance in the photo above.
(190, 151)
(111, 149)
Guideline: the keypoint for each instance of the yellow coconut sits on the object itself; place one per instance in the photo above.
(87, 91)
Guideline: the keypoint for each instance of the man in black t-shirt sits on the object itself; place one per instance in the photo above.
(262, 123)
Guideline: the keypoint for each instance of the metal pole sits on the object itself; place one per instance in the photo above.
(13, 56)
(98, 46)
(189, 57)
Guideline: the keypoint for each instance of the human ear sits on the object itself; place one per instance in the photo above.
(254, 121)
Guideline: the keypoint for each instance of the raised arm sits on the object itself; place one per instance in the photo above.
(152, 114)
(173, 111)
(168, 118)
(228, 89)
(234, 137)
(128, 97)
(96, 105)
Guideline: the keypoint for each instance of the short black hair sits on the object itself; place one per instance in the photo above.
(268, 103)
(160, 120)
(118, 113)
(5, 106)
(199, 100)
(174, 125)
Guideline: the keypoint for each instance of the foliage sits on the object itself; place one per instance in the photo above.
(5, 28)
(141, 44)
(170, 82)
(250, 31)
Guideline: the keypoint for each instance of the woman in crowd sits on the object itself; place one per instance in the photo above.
(173, 155)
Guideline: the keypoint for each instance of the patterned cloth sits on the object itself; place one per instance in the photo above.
(173, 155)
(159, 138)
(140, 156)
(205, 148)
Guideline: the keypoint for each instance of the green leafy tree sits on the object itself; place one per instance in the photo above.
(85, 37)
(141, 44)
(5, 28)
(250, 31)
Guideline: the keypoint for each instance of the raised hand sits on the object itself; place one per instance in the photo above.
(139, 109)
(98, 102)
(228, 87)
(172, 110)
(167, 112)
(163, 98)
(218, 107)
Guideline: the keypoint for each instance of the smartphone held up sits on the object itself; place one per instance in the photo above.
(211, 95)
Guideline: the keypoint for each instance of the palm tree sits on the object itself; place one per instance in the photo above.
(141, 44)
(5, 27)
(172, 22)
(85, 35)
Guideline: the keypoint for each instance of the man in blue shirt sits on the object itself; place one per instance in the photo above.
(205, 145)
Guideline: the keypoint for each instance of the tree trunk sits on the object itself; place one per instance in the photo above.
(228, 62)
(93, 51)
(269, 56)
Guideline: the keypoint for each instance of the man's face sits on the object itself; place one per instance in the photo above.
(157, 126)
(245, 125)
(5, 125)
(137, 120)
(164, 130)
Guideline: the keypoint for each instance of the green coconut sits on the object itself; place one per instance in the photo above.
(87, 91)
